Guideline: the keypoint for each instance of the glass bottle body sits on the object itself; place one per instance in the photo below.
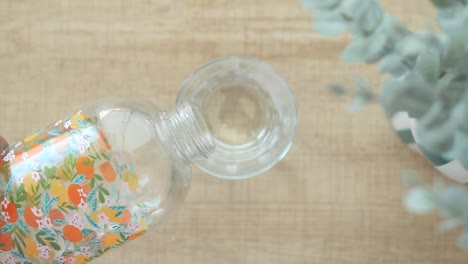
(106, 174)
(91, 182)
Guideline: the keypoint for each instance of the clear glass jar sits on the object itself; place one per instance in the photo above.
(250, 112)
(107, 173)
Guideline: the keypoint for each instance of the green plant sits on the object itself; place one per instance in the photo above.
(450, 201)
(428, 79)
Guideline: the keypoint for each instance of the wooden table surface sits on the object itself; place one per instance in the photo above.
(335, 198)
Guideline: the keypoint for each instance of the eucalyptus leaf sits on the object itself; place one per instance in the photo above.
(460, 114)
(454, 202)
(338, 89)
(436, 130)
(448, 225)
(428, 64)
(394, 65)
(368, 50)
(349, 9)
(420, 200)
(462, 240)
(444, 3)
(370, 19)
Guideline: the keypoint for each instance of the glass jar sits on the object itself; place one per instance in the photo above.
(107, 173)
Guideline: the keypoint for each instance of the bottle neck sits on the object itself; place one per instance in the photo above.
(186, 135)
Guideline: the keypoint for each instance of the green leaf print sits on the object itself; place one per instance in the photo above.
(90, 196)
(21, 197)
(48, 232)
(45, 201)
(91, 199)
(119, 213)
(79, 179)
(8, 187)
(81, 123)
(98, 177)
(43, 184)
(20, 233)
(49, 172)
(55, 246)
(19, 254)
(5, 170)
(104, 191)
(91, 221)
(117, 208)
(40, 240)
(23, 226)
(94, 205)
(87, 232)
(7, 228)
(60, 222)
(101, 198)
(18, 246)
(104, 154)
(51, 203)
(93, 182)
(37, 199)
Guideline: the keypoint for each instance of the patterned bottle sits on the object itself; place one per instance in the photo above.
(107, 173)
(95, 180)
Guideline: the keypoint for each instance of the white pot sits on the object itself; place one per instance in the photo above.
(405, 126)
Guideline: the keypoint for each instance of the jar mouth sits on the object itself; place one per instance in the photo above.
(248, 109)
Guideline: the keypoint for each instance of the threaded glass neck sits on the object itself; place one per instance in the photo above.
(186, 135)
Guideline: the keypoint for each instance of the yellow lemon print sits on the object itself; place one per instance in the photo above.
(75, 119)
(30, 248)
(31, 137)
(110, 240)
(131, 180)
(30, 185)
(80, 258)
(61, 172)
(57, 189)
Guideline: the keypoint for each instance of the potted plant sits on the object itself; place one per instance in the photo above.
(425, 96)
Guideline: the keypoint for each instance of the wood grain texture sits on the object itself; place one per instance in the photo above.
(336, 198)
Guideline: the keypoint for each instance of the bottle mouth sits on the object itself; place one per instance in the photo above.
(249, 111)
(200, 142)
(187, 134)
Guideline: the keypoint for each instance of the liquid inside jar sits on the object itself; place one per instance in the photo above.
(234, 113)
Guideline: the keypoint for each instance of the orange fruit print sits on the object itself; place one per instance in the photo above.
(66, 193)
(56, 214)
(72, 233)
(9, 211)
(84, 165)
(108, 171)
(76, 194)
(6, 242)
(33, 216)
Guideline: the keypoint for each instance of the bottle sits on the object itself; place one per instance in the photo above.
(106, 173)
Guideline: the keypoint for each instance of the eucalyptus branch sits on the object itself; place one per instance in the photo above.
(428, 80)
(428, 72)
(450, 202)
